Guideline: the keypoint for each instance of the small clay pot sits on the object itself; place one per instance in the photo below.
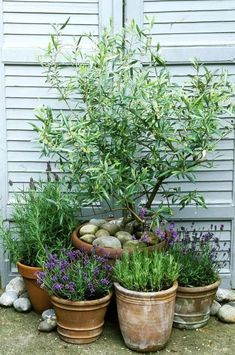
(80, 322)
(145, 318)
(192, 306)
(39, 298)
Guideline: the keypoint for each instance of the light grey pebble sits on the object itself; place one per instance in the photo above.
(17, 285)
(123, 236)
(47, 325)
(225, 295)
(97, 221)
(49, 314)
(102, 233)
(226, 314)
(215, 308)
(22, 305)
(7, 298)
(88, 229)
(88, 238)
(107, 242)
(111, 228)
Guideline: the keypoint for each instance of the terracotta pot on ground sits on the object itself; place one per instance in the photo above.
(112, 254)
(192, 307)
(80, 322)
(145, 318)
(39, 298)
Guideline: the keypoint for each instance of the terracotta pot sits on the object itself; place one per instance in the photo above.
(39, 298)
(113, 254)
(145, 318)
(192, 307)
(80, 322)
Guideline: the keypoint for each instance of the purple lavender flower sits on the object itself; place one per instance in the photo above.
(142, 213)
(133, 237)
(58, 287)
(96, 271)
(144, 238)
(104, 282)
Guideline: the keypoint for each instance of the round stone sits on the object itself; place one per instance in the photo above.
(226, 314)
(8, 298)
(107, 242)
(102, 233)
(97, 221)
(123, 236)
(49, 314)
(88, 238)
(22, 304)
(17, 285)
(111, 228)
(225, 295)
(47, 325)
(88, 229)
(215, 308)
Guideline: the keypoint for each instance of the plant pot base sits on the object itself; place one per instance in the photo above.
(79, 336)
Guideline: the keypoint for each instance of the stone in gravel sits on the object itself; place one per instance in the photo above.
(49, 314)
(123, 236)
(226, 314)
(97, 222)
(7, 299)
(107, 242)
(17, 285)
(225, 295)
(215, 308)
(22, 305)
(102, 233)
(88, 238)
(134, 244)
(47, 325)
(88, 229)
(111, 228)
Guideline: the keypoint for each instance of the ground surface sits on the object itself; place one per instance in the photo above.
(19, 335)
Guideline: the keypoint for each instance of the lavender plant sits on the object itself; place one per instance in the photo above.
(199, 256)
(146, 272)
(128, 128)
(76, 276)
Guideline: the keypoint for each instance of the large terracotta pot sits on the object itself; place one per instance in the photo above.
(39, 298)
(192, 307)
(145, 318)
(80, 322)
(112, 254)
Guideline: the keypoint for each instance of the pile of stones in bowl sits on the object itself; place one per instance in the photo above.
(109, 234)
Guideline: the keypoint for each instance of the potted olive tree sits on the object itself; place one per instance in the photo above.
(145, 290)
(43, 217)
(128, 128)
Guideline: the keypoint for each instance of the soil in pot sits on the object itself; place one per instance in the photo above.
(39, 298)
(80, 322)
(192, 307)
(145, 318)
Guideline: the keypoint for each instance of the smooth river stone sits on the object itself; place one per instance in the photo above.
(226, 313)
(17, 285)
(88, 238)
(97, 222)
(102, 233)
(88, 229)
(107, 242)
(123, 236)
(111, 228)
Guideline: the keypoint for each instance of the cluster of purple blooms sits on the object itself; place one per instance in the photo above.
(76, 276)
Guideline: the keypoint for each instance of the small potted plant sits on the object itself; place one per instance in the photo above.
(131, 129)
(43, 217)
(145, 287)
(80, 286)
(197, 254)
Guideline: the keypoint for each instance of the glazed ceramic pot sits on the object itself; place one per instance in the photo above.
(145, 318)
(192, 307)
(39, 298)
(80, 322)
(112, 254)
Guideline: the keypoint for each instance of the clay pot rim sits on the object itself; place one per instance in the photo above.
(81, 303)
(23, 266)
(141, 294)
(199, 288)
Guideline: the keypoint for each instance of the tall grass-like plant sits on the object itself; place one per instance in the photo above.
(128, 128)
(43, 218)
(146, 272)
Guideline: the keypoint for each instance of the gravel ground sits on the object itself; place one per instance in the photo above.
(19, 335)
